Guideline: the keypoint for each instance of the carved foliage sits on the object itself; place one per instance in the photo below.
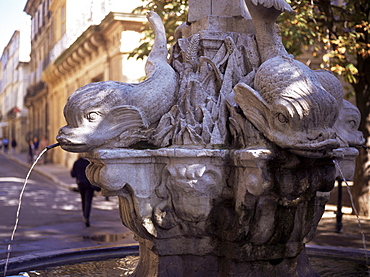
(209, 67)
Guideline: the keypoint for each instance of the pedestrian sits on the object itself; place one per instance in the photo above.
(85, 188)
(42, 145)
(35, 147)
(14, 145)
(30, 151)
(6, 145)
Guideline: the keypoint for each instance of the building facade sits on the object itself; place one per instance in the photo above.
(74, 43)
(36, 99)
(99, 54)
(14, 72)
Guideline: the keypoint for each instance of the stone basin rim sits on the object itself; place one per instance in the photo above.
(263, 153)
(79, 255)
(179, 152)
(67, 256)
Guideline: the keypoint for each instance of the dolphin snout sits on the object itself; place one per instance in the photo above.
(321, 136)
(62, 134)
(64, 131)
(358, 139)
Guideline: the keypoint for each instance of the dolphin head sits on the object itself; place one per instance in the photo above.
(290, 107)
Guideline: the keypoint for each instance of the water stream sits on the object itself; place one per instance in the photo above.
(20, 204)
(354, 210)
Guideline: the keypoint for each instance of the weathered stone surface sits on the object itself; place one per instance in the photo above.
(199, 9)
(347, 125)
(346, 128)
(228, 171)
(221, 23)
(239, 206)
(114, 114)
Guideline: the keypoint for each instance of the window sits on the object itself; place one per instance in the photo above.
(33, 28)
(63, 19)
(41, 15)
(36, 19)
(59, 23)
(45, 10)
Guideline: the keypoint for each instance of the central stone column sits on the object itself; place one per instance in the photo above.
(199, 9)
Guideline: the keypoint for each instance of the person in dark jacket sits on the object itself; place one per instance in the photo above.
(6, 145)
(14, 145)
(85, 188)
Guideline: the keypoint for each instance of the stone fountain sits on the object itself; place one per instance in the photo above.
(222, 159)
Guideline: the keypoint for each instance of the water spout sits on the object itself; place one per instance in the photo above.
(52, 146)
(365, 147)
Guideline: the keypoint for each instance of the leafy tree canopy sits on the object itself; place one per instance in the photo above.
(336, 33)
(339, 34)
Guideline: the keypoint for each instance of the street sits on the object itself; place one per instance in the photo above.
(51, 217)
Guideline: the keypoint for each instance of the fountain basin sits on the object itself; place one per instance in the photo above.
(327, 261)
(36, 261)
(252, 208)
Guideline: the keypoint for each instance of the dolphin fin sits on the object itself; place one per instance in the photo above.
(129, 125)
(128, 114)
(254, 107)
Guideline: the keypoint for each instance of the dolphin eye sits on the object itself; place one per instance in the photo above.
(92, 116)
(352, 124)
(282, 118)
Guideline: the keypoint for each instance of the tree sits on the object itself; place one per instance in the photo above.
(338, 34)
(173, 13)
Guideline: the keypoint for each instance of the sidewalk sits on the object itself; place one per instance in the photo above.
(56, 172)
(51, 217)
(326, 232)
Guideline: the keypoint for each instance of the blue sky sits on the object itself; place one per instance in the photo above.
(11, 18)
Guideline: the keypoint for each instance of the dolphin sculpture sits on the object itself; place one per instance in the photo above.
(287, 101)
(113, 114)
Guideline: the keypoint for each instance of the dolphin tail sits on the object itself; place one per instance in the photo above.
(159, 52)
(280, 5)
(264, 14)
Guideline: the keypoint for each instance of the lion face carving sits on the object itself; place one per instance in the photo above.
(96, 115)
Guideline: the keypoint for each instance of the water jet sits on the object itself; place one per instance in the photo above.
(47, 148)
